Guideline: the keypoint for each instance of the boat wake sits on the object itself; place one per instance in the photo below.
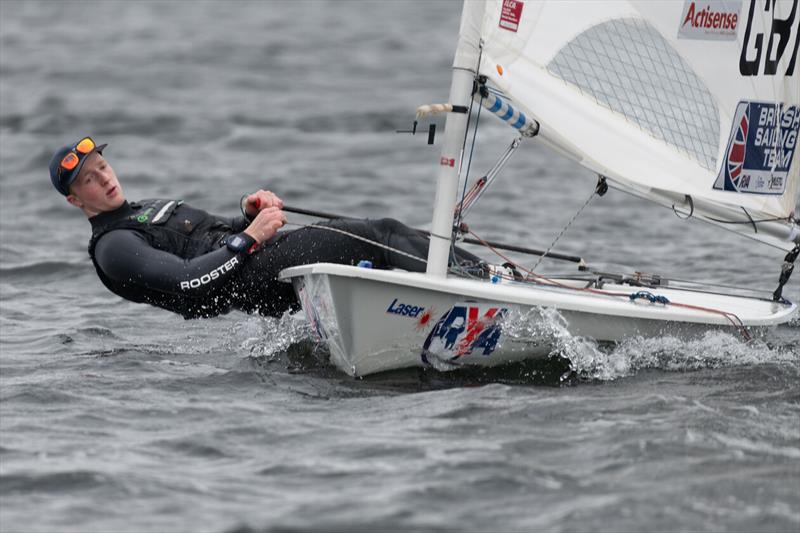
(713, 350)
(592, 360)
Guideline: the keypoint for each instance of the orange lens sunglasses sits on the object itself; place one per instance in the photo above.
(71, 160)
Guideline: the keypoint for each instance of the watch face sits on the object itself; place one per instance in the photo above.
(236, 243)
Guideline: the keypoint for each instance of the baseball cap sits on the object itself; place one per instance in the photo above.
(68, 160)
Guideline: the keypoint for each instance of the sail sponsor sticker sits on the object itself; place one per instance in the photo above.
(760, 149)
(710, 20)
(465, 329)
(510, 14)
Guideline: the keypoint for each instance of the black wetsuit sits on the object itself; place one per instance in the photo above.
(174, 256)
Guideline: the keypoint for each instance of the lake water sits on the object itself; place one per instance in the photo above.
(120, 417)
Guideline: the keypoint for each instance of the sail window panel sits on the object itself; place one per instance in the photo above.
(646, 66)
(628, 67)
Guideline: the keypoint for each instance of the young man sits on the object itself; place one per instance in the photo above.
(185, 260)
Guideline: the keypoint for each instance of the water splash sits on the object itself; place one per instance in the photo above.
(608, 361)
(715, 349)
(271, 337)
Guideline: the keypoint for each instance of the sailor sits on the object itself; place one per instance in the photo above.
(168, 254)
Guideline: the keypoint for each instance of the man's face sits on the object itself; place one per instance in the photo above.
(96, 189)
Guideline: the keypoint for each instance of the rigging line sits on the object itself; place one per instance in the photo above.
(453, 233)
(564, 229)
(536, 278)
(469, 111)
(691, 208)
(457, 226)
(457, 269)
(693, 282)
(358, 237)
(469, 164)
(482, 184)
(426, 233)
(703, 217)
(752, 221)
(755, 229)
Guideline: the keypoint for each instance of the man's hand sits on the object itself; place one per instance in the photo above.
(254, 203)
(267, 223)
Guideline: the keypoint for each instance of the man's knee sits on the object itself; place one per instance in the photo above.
(390, 225)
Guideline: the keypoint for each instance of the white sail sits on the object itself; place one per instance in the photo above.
(694, 105)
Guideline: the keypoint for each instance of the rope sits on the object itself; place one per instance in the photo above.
(454, 231)
(564, 230)
(469, 163)
(455, 270)
(433, 109)
(360, 238)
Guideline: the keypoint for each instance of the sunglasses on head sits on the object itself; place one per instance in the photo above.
(71, 160)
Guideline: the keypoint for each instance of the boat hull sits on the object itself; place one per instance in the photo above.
(378, 320)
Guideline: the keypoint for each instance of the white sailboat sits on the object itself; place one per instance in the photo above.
(692, 105)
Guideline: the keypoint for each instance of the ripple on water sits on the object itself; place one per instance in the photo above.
(52, 483)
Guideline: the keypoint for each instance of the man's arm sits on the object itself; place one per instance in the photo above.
(125, 256)
(237, 224)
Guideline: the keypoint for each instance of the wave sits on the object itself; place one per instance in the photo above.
(344, 121)
(40, 269)
(191, 448)
(37, 395)
(57, 482)
(54, 115)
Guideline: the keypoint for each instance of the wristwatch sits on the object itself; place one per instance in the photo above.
(241, 242)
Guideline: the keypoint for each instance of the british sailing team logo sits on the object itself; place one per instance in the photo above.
(760, 148)
(465, 329)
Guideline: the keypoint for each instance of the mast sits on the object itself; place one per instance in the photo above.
(465, 64)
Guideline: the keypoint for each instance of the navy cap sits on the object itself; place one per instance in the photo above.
(62, 178)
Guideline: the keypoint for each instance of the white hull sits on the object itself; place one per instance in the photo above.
(378, 320)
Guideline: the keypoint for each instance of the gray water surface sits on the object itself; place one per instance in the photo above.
(120, 417)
